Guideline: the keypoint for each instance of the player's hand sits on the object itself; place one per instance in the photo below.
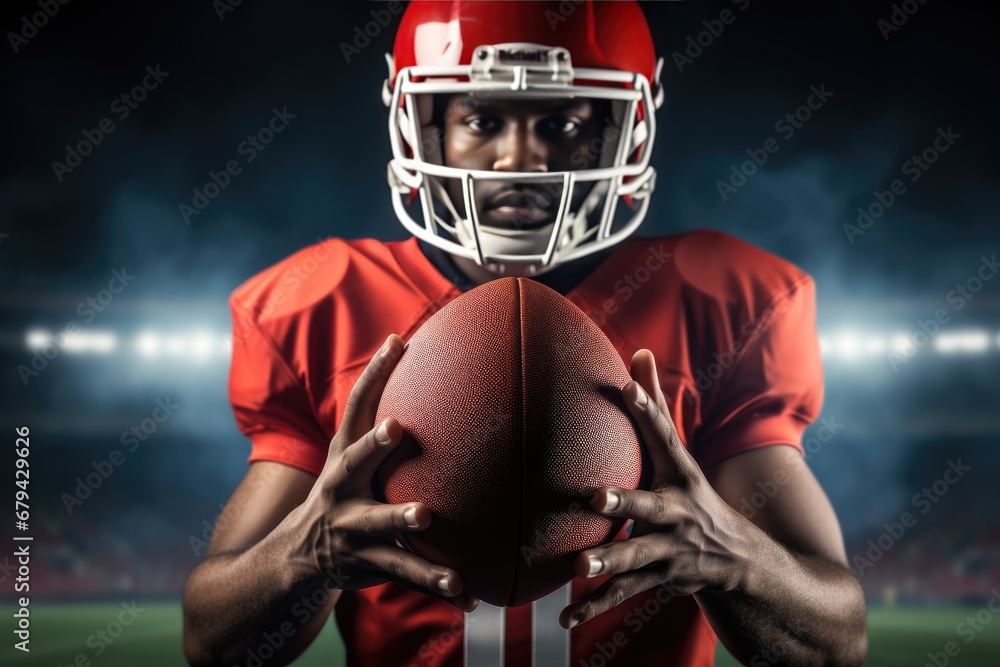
(686, 538)
(352, 532)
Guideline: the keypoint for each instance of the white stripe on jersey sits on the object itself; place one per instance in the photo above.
(484, 636)
(549, 641)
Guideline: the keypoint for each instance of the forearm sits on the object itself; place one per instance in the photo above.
(789, 609)
(233, 603)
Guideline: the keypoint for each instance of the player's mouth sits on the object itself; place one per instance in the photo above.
(520, 209)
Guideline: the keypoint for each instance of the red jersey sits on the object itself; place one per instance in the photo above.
(733, 331)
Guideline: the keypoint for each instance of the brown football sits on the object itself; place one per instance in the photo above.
(510, 399)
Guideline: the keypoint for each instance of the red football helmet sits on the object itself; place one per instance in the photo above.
(530, 50)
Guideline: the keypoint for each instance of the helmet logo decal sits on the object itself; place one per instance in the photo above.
(521, 62)
(534, 56)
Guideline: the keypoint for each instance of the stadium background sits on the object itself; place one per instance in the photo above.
(164, 337)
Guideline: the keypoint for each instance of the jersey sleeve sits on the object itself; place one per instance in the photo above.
(774, 389)
(271, 404)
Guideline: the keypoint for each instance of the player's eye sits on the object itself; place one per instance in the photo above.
(481, 123)
(563, 127)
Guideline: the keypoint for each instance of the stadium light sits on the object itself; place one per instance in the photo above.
(148, 344)
(825, 346)
(970, 342)
(175, 345)
(901, 344)
(848, 345)
(201, 344)
(97, 342)
(37, 339)
(874, 345)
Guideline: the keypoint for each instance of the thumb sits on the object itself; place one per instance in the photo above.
(671, 460)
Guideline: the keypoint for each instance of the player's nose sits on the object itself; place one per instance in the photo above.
(519, 148)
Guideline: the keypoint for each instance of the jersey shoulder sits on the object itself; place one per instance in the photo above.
(322, 273)
(721, 267)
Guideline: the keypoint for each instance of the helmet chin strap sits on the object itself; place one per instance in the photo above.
(500, 241)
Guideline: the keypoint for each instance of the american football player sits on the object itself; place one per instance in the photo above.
(521, 135)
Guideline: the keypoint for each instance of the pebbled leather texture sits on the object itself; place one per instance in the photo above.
(509, 396)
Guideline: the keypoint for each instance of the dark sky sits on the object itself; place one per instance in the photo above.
(324, 175)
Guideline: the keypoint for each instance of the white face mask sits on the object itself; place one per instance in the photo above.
(416, 172)
(496, 241)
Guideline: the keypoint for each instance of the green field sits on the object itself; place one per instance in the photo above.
(59, 634)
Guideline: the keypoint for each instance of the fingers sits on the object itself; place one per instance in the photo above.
(361, 522)
(409, 569)
(362, 403)
(353, 471)
(634, 553)
(645, 402)
(610, 594)
(662, 508)
(643, 370)
(374, 519)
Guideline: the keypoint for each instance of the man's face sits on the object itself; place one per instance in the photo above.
(521, 135)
